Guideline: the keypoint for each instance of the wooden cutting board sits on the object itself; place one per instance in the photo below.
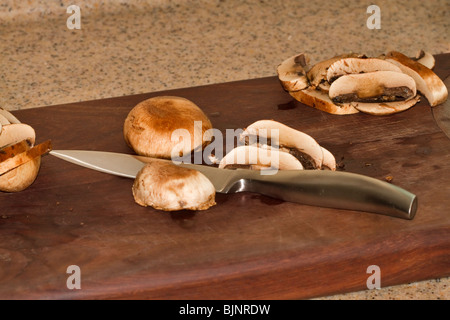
(246, 247)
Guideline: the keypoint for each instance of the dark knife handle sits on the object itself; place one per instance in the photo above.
(340, 190)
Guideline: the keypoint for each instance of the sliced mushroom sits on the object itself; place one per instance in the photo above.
(150, 127)
(321, 101)
(425, 58)
(381, 109)
(379, 86)
(9, 116)
(318, 73)
(165, 186)
(297, 143)
(19, 159)
(292, 73)
(21, 177)
(14, 133)
(256, 158)
(427, 82)
(358, 65)
(3, 121)
(329, 161)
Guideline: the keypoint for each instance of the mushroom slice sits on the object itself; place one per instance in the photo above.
(427, 82)
(166, 186)
(329, 161)
(14, 133)
(379, 86)
(297, 143)
(255, 158)
(292, 74)
(318, 73)
(425, 58)
(381, 109)
(9, 116)
(3, 121)
(321, 101)
(24, 157)
(12, 150)
(358, 65)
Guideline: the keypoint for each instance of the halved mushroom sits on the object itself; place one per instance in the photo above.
(14, 133)
(292, 73)
(299, 144)
(318, 73)
(381, 109)
(427, 82)
(425, 58)
(166, 186)
(9, 116)
(378, 86)
(256, 158)
(358, 65)
(321, 101)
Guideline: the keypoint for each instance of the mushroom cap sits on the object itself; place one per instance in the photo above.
(21, 177)
(287, 137)
(292, 73)
(358, 65)
(149, 126)
(385, 108)
(368, 86)
(166, 186)
(427, 82)
(320, 100)
(257, 158)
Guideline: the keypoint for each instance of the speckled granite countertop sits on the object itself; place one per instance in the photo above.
(137, 46)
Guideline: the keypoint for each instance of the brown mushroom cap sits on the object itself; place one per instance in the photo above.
(166, 186)
(149, 127)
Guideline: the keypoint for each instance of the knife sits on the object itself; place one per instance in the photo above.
(324, 188)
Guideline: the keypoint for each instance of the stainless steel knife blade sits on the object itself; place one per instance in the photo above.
(441, 113)
(341, 190)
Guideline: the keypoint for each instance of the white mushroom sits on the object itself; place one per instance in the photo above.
(358, 65)
(292, 73)
(386, 108)
(321, 101)
(318, 73)
(14, 133)
(378, 86)
(427, 82)
(165, 186)
(329, 161)
(9, 116)
(425, 58)
(299, 144)
(166, 126)
(256, 158)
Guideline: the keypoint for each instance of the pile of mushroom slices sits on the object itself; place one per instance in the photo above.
(20, 160)
(295, 150)
(350, 83)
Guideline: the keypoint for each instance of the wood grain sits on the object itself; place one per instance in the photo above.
(246, 247)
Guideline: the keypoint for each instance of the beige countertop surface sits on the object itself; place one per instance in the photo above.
(139, 46)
